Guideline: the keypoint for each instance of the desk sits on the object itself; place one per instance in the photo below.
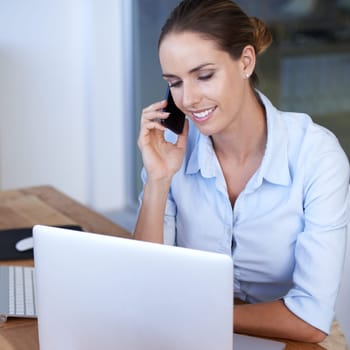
(47, 206)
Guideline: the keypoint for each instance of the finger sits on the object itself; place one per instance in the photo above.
(150, 135)
(148, 127)
(154, 125)
(153, 116)
(155, 106)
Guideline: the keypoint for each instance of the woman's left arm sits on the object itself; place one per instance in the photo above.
(274, 319)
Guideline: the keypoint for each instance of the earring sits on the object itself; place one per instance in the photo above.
(247, 75)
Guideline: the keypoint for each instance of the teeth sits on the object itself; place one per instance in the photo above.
(203, 114)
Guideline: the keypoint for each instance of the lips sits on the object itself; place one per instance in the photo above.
(203, 115)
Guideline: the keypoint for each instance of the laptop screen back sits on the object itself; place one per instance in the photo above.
(102, 292)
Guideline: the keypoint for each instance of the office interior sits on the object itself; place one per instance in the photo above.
(75, 76)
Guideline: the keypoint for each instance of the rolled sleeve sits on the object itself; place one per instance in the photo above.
(320, 248)
(316, 277)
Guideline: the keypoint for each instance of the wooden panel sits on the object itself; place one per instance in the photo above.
(10, 218)
(87, 218)
(8, 195)
(19, 334)
(29, 210)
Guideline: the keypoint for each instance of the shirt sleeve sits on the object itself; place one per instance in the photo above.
(320, 248)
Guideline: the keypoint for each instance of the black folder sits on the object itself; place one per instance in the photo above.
(9, 238)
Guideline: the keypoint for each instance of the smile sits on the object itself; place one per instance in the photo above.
(203, 115)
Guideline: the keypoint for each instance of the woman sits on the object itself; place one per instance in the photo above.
(267, 187)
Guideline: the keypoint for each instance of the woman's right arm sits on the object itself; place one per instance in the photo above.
(161, 160)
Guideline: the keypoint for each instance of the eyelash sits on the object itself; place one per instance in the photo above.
(176, 84)
(204, 78)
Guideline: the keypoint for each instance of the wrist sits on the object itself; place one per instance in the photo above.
(158, 186)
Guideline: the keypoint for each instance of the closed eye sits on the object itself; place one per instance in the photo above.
(175, 84)
(206, 76)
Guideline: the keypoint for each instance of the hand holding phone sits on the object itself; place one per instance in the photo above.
(176, 119)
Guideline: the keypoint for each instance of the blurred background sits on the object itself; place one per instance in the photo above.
(75, 74)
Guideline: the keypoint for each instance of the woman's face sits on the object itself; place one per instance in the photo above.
(208, 85)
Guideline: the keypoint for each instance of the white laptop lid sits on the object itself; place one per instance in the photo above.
(103, 292)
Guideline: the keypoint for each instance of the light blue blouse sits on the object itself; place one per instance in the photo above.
(287, 230)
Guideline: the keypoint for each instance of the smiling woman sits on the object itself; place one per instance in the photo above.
(268, 188)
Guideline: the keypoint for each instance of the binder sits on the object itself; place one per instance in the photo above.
(10, 237)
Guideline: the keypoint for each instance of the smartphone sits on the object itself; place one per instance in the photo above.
(176, 119)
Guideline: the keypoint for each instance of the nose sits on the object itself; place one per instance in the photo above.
(190, 96)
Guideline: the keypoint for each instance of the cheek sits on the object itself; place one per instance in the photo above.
(232, 91)
(224, 86)
(216, 89)
(177, 95)
(223, 93)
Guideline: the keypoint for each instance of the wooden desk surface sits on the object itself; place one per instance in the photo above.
(47, 206)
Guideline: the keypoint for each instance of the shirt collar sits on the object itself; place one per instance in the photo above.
(275, 164)
(203, 157)
(274, 167)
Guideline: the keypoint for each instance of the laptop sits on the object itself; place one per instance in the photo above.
(103, 292)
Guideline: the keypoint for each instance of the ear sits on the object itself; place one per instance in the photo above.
(248, 61)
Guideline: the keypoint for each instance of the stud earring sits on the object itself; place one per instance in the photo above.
(247, 75)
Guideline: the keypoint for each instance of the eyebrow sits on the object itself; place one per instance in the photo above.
(195, 69)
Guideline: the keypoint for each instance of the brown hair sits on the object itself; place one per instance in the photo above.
(221, 21)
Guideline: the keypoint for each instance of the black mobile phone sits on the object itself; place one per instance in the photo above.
(176, 119)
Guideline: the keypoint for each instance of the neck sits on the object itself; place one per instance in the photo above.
(247, 137)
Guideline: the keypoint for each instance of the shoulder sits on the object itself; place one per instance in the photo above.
(300, 132)
(309, 148)
(312, 141)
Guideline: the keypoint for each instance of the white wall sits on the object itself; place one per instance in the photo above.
(63, 110)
